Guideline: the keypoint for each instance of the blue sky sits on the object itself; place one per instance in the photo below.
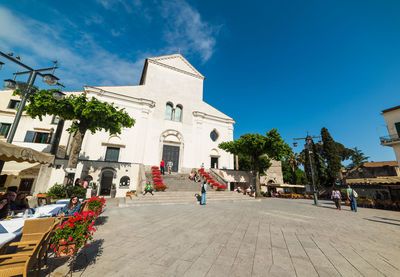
(294, 65)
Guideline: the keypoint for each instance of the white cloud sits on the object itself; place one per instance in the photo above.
(115, 33)
(187, 30)
(93, 19)
(81, 63)
(113, 4)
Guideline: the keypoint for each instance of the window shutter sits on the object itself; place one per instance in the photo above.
(29, 136)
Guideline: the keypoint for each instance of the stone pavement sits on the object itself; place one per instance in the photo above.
(271, 237)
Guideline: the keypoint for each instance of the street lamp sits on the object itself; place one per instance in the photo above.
(26, 89)
(309, 141)
(58, 95)
(10, 84)
(50, 79)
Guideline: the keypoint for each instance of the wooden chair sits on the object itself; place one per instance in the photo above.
(83, 206)
(34, 228)
(27, 246)
(22, 263)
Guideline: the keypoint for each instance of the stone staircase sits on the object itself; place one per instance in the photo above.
(181, 190)
(181, 197)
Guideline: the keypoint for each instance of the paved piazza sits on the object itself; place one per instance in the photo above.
(271, 237)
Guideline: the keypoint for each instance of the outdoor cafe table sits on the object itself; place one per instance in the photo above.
(10, 229)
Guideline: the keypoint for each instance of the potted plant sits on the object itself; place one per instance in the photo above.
(113, 191)
(215, 185)
(130, 193)
(221, 187)
(73, 234)
(96, 204)
(93, 187)
(160, 187)
(42, 195)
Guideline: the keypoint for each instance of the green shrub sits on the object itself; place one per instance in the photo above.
(57, 191)
(76, 191)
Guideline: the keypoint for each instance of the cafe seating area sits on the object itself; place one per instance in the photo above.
(26, 239)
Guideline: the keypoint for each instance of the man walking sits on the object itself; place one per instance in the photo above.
(203, 193)
(162, 164)
(352, 197)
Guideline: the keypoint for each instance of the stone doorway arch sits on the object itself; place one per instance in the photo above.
(106, 180)
(171, 148)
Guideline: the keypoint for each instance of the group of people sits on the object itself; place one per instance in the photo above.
(13, 202)
(351, 195)
(169, 166)
(195, 176)
(250, 191)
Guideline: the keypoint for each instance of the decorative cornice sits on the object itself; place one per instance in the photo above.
(101, 92)
(213, 117)
(199, 76)
(113, 145)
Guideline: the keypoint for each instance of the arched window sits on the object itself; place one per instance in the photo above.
(178, 113)
(168, 111)
(124, 182)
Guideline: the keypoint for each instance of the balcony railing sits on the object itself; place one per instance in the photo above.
(390, 138)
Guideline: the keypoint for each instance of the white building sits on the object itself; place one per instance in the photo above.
(392, 118)
(172, 123)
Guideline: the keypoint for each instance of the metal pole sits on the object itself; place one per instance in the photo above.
(21, 106)
(312, 174)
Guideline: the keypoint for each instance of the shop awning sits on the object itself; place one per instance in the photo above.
(284, 185)
(10, 152)
(14, 168)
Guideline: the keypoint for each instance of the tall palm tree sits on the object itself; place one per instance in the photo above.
(293, 160)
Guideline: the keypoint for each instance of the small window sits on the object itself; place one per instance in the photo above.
(13, 104)
(397, 125)
(4, 129)
(112, 154)
(55, 120)
(125, 181)
(37, 137)
(26, 184)
(214, 135)
(178, 113)
(168, 111)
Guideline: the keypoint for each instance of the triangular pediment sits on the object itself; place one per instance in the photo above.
(177, 62)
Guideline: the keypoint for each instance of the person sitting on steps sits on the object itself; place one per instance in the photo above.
(148, 188)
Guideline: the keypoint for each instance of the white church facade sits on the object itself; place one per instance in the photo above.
(172, 123)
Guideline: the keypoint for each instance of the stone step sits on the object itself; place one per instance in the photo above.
(182, 202)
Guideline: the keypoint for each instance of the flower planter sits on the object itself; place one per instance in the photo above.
(113, 192)
(347, 202)
(66, 250)
(130, 193)
(93, 192)
(44, 195)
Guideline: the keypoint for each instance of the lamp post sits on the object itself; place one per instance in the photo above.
(48, 78)
(309, 141)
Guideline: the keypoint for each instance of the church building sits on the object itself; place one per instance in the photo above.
(172, 123)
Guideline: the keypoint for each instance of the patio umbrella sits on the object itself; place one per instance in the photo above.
(12, 152)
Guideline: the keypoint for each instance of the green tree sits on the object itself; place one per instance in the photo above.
(290, 177)
(86, 114)
(256, 147)
(357, 158)
(333, 159)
